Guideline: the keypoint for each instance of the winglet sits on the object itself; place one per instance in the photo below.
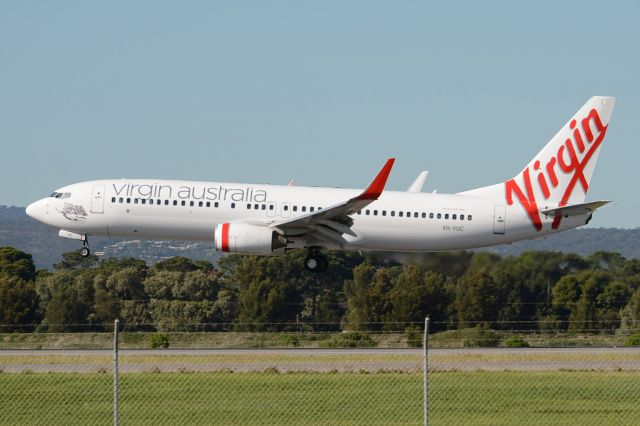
(376, 186)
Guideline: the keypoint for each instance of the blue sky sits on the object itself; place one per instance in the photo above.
(322, 92)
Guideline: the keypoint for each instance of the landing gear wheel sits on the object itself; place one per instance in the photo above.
(84, 251)
(315, 262)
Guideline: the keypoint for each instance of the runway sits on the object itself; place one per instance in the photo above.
(321, 360)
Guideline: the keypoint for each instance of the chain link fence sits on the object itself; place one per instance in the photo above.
(355, 379)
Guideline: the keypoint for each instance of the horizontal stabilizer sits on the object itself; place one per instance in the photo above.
(574, 209)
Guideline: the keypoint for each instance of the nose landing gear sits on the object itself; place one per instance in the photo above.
(315, 261)
(84, 251)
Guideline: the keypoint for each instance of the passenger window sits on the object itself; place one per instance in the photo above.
(216, 204)
(286, 208)
(264, 207)
(120, 200)
(469, 217)
(454, 217)
(256, 206)
(415, 214)
(233, 205)
(384, 212)
(113, 199)
(295, 208)
(304, 208)
(158, 202)
(191, 203)
(143, 201)
(375, 212)
(393, 212)
(311, 209)
(208, 203)
(400, 214)
(135, 201)
(439, 215)
(175, 202)
(430, 215)
(166, 202)
(446, 215)
(200, 203)
(461, 217)
(270, 206)
(359, 211)
(367, 212)
(128, 200)
(424, 215)
(408, 214)
(183, 202)
(248, 206)
(319, 208)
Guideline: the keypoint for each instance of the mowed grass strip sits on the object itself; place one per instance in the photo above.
(479, 398)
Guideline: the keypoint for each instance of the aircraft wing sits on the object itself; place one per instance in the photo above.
(329, 224)
(574, 209)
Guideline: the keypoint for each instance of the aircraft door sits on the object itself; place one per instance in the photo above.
(97, 199)
(499, 219)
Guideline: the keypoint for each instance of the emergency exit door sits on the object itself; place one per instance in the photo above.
(499, 218)
(97, 199)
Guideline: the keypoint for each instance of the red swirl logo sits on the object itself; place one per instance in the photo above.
(570, 161)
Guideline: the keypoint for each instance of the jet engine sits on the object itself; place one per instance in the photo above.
(247, 239)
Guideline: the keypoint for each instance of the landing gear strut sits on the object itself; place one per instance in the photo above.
(84, 251)
(315, 261)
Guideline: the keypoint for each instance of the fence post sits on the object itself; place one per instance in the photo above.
(115, 372)
(425, 346)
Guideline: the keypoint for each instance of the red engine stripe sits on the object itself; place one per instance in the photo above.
(225, 237)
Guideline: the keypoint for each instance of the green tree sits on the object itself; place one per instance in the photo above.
(18, 304)
(15, 263)
(476, 299)
(74, 261)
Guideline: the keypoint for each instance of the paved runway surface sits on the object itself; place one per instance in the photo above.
(322, 360)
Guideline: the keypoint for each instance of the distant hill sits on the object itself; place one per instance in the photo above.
(20, 231)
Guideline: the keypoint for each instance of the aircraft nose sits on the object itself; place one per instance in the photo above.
(34, 210)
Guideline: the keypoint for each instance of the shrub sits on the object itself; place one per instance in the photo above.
(480, 338)
(159, 340)
(414, 336)
(516, 342)
(291, 340)
(350, 339)
(633, 340)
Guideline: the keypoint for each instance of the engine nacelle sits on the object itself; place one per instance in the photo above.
(247, 239)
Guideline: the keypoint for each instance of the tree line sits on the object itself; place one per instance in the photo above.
(379, 292)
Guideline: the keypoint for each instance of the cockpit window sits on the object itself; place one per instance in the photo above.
(62, 195)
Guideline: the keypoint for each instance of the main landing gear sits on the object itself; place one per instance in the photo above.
(84, 251)
(315, 261)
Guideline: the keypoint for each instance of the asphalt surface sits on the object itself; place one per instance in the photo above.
(321, 360)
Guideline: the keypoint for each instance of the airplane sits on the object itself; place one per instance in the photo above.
(546, 197)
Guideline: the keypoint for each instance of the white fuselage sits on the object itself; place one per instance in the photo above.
(397, 221)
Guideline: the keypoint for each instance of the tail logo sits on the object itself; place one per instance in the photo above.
(571, 159)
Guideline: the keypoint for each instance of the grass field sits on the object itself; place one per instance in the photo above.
(456, 398)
